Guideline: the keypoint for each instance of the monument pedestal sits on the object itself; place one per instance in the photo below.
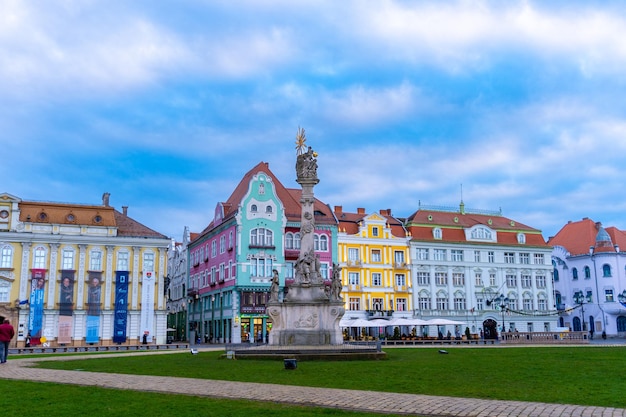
(306, 323)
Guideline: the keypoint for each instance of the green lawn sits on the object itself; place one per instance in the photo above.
(567, 375)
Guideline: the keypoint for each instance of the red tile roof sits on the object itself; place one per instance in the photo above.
(453, 225)
(577, 237)
(350, 221)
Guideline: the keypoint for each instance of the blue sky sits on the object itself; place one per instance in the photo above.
(167, 104)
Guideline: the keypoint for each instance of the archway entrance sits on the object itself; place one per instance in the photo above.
(490, 329)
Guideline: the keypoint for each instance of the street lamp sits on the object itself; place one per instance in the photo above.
(579, 298)
(622, 298)
(503, 303)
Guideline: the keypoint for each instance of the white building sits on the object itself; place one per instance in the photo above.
(482, 269)
(589, 277)
(176, 288)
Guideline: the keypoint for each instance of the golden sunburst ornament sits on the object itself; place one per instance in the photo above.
(300, 141)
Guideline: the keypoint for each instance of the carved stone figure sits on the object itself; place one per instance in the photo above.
(336, 285)
(274, 287)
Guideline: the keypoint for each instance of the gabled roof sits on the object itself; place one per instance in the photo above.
(349, 222)
(454, 223)
(127, 227)
(577, 237)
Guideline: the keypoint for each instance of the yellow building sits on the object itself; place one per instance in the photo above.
(73, 275)
(373, 251)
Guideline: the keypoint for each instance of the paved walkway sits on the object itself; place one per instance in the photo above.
(370, 401)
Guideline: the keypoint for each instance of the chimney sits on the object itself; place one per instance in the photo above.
(598, 225)
(105, 199)
(125, 210)
(360, 210)
(338, 209)
(385, 212)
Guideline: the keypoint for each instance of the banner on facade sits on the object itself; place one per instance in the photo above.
(66, 306)
(121, 307)
(94, 301)
(35, 319)
(147, 305)
(65, 329)
(92, 329)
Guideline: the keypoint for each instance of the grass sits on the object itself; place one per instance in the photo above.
(566, 375)
(56, 400)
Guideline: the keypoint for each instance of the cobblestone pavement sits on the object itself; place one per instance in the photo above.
(370, 401)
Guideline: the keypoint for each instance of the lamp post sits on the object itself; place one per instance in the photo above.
(212, 334)
(622, 298)
(579, 298)
(503, 303)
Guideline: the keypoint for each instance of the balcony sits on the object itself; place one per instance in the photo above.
(253, 309)
(379, 313)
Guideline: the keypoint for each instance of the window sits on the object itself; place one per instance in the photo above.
(324, 270)
(400, 304)
(148, 261)
(621, 324)
(542, 304)
(289, 241)
(521, 238)
(574, 274)
(481, 233)
(457, 255)
(289, 270)
(95, 260)
(122, 261)
(353, 254)
(377, 279)
(374, 231)
(222, 244)
(398, 257)
(492, 280)
(261, 267)
(524, 258)
(253, 208)
(441, 278)
(442, 303)
(458, 279)
(479, 304)
(423, 278)
(261, 237)
(587, 273)
(511, 280)
(268, 209)
(324, 243)
(608, 296)
(296, 240)
(437, 234)
(6, 259)
(223, 273)
(424, 303)
(400, 280)
(213, 278)
(606, 270)
(527, 303)
(353, 278)
(230, 240)
(39, 258)
(476, 256)
(478, 279)
(378, 304)
(509, 257)
(316, 242)
(439, 254)
(376, 255)
(527, 281)
(541, 281)
(421, 254)
(491, 257)
(4, 292)
(459, 303)
(355, 304)
(539, 259)
(213, 248)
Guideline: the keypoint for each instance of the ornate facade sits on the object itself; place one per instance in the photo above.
(75, 274)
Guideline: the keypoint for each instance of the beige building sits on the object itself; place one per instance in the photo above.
(73, 274)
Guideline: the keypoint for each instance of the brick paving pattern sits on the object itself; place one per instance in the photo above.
(370, 401)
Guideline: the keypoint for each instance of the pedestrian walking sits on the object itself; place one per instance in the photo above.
(6, 334)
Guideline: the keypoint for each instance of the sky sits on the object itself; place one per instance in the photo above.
(507, 105)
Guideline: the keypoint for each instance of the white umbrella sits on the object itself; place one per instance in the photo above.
(443, 322)
(401, 321)
(353, 323)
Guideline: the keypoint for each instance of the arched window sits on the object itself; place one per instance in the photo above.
(587, 273)
(621, 324)
(253, 208)
(316, 242)
(606, 270)
(574, 273)
(323, 243)
(521, 238)
(6, 257)
(296, 241)
(437, 233)
(289, 241)
(556, 274)
(268, 209)
(261, 237)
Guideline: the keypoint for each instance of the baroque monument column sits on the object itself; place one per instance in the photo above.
(308, 315)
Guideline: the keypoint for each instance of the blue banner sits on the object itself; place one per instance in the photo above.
(35, 320)
(94, 300)
(93, 329)
(121, 307)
